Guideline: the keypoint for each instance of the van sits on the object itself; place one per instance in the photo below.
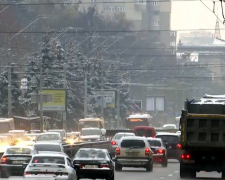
(144, 131)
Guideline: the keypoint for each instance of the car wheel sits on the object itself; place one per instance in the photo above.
(223, 175)
(149, 167)
(110, 178)
(4, 174)
(118, 167)
(164, 163)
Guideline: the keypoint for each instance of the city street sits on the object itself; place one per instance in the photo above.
(159, 173)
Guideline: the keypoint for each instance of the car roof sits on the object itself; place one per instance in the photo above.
(167, 134)
(28, 147)
(50, 155)
(95, 149)
(124, 133)
(49, 133)
(56, 130)
(31, 134)
(133, 138)
(151, 138)
(5, 137)
(89, 129)
(47, 142)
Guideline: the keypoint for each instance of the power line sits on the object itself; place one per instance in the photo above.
(75, 3)
(103, 31)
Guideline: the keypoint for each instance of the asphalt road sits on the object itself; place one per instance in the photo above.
(159, 173)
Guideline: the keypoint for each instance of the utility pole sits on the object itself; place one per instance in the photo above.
(85, 93)
(102, 102)
(41, 100)
(65, 87)
(10, 88)
(118, 106)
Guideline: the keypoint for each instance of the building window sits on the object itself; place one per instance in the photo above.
(155, 3)
(156, 23)
(156, 12)
(172, 33)
(141, 1)
(172, 43)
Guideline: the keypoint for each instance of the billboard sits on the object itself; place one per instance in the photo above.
(58, 100)
(109, 98)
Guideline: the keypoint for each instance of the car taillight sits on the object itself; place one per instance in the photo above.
(153, 136)
(147, 151)
(160, 151)
(104, 166)
(3, 160)
(185, 156)
(27, 173)
(117, 151)
(113, 143)
(179, 145)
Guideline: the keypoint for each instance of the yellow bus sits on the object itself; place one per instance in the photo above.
(91, 123)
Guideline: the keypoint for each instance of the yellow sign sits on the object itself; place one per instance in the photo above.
(58, 100)
(135, 120)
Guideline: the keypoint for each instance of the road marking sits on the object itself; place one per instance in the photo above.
(170, 175)
(162, 178)
(176, 171)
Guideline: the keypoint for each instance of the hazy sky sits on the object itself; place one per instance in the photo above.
(194, 15)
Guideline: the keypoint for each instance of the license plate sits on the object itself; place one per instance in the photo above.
(132, 153)
(91, 166)
(18, 162)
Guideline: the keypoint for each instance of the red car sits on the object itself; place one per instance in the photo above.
(145, 131)
(160, 151)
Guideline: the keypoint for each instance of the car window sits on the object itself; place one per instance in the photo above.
(132, 143)
(69, 163)
(119, 136)
(48, 159)
(48, 147)
(170, 139)
(155, 143)
(91, 154)
(48, 137)
(18, 151)
(140, 132)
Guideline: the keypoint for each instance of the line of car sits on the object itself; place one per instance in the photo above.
(135, 151)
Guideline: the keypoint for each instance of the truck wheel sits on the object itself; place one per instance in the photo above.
(118, 167)
(164, 163)
(149, 167)
(4, 174)
(223, 175)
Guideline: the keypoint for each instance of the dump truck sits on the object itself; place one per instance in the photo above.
(202, 126)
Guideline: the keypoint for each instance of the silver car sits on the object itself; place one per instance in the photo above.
(116, 139)
(51, 166)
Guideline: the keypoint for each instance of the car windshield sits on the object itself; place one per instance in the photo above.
(48, 159)
(48, 137)
(119, 136)
(132, 143)
(89, 132)
(18, 150)
(62, 133)
(154, 143)
(93, 154)
(48, 147)
(169, 138)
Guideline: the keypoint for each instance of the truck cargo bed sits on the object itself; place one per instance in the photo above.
(205, 130)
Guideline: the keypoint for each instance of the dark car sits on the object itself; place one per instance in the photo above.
(13, 159)
(172, 140)
(160, 151)
(94, 164)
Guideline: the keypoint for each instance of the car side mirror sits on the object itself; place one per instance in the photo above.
(24, 165)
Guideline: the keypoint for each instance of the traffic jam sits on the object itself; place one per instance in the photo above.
(34, 154)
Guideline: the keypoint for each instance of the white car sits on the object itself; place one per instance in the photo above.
(169, 126)
(48, 146)
(50, 136)
(133, 152)
(116, 139)
(49, 166)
